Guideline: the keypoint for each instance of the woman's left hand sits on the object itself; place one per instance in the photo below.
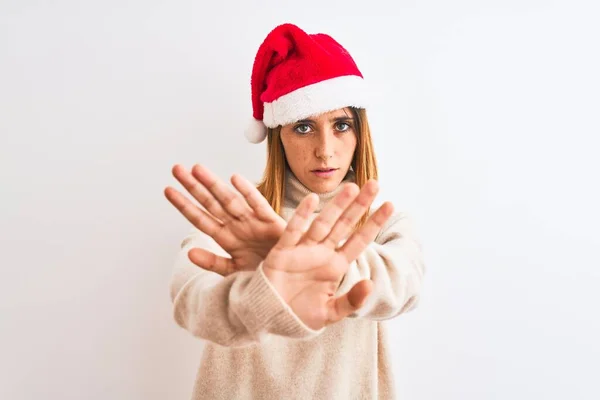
(305, 266)
(243, 223)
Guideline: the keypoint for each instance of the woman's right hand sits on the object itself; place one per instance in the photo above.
(243, 223)
(306, 268)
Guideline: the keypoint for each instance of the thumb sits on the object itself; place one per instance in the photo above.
(340, 307)
(211, 262)
(359, 293)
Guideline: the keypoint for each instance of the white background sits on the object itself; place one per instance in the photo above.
(486, 129)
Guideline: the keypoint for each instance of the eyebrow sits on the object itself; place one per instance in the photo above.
(336, 119)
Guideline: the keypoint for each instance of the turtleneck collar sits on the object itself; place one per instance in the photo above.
(295, 191)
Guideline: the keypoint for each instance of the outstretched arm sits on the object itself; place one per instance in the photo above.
(395, 265)
(235, 310)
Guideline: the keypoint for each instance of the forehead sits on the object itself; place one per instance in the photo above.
(339, 113)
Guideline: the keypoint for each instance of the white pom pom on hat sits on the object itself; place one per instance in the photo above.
(256, 131)
(298, 75)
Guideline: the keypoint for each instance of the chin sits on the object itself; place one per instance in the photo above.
(325, 187)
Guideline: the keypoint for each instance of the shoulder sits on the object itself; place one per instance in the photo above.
(400, 225)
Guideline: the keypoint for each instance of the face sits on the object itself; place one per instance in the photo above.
(319, 150)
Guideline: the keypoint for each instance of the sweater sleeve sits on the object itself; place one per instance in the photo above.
(394, 262)
(236, 310)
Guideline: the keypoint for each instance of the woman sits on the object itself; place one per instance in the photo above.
(287, 282)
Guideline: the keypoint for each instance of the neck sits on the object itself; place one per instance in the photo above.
(295, 191)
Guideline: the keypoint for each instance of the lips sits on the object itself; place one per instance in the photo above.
(324, 169)
(324, 173)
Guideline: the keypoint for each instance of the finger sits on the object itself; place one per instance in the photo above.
(199, 192)
(296, 225)
(345, 224)
(361, 238)
(211, 262)
(233, 203)
(198, 217)
(340, 307)
(254, 198)
(322, 225)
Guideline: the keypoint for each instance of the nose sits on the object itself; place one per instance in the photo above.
(324, 149)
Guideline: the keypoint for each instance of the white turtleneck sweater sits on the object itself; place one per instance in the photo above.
(257, 348)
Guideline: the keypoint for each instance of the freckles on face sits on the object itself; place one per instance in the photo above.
(319, 150)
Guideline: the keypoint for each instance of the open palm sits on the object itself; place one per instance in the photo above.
(242, 223)
(305, 267)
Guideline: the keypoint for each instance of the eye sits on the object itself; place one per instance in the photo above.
(342, 126)
(302, 129)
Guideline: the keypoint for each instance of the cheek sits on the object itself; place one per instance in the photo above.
(350, 145)
(301, 155)
(296, 151)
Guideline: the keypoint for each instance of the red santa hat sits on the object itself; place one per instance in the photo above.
(297, 75)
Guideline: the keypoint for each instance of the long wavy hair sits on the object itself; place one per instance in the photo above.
(363, 163)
